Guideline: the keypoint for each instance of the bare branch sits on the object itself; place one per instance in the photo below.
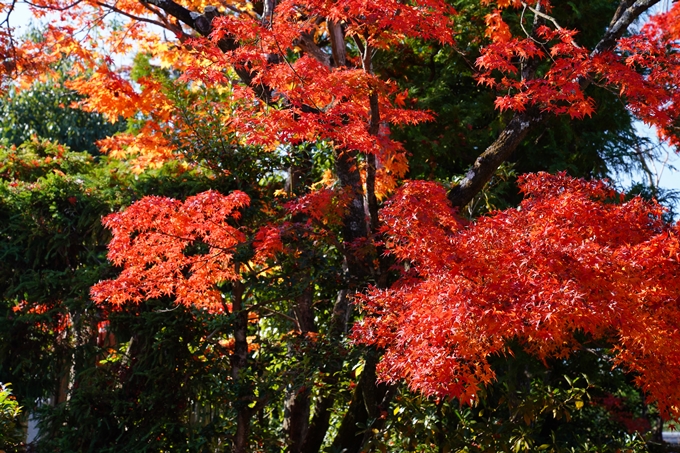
(54, 8)
(10, 62)
(542, 15)
(623, 20)
(132, 16)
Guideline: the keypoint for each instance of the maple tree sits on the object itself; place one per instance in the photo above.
(246, 82)
(539, 274)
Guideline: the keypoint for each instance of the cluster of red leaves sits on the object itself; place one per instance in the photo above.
(321, 103)
(382, 23)
(617, 409)
(570, 259)
(267, 243)
(325, 206)
(558, 91)
(153, 241)
(648, 77)
(48, 315)
(644, 68)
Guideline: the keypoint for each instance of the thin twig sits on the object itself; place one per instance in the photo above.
(290, 318)
(132, 16)
(543, 15)
(53, 8)
(11, 39)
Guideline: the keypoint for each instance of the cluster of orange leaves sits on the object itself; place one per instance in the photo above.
(317, 102)
(571, 259)
(320, 103)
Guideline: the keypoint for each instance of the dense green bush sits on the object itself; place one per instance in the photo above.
(11, 435)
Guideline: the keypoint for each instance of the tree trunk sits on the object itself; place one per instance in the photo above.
(296, 405)
(239, 361)
(367, 410)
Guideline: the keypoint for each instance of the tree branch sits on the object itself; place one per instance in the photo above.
(542, 15)
(132, 16)
(197, 21)
(499, 151)
(306, 43)
(621, 22)
(338, 48)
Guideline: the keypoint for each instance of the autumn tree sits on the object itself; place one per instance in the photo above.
(583, 262)
(251, 82)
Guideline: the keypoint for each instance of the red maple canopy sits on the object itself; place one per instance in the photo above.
(570, 262)
(151, 240)
(334, 97)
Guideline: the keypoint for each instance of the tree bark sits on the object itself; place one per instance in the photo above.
(500, 150)
(367, 410)
(354, 224)
(329, 380)
(338, 47)
(296, 417)
(297, 403)
(239, 361)
(371, 165)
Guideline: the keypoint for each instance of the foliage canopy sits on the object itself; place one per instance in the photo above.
(259, 193)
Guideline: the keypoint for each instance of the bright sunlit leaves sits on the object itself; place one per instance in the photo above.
(172, 248)
(572, 259)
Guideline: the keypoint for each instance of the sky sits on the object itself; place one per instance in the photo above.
(666, 170)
